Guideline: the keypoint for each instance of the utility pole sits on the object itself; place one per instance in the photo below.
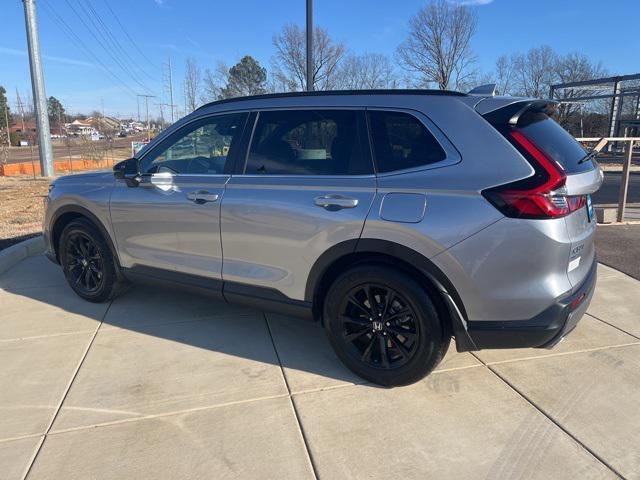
(309, 45)
(146, 105)
(138, 102)
(37, 84)
(171, 91)
(160, 105)
(59, 123)
(21, 108)
(102, 122)
(6, 120)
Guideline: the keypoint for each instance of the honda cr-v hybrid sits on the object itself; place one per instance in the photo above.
(399, 219)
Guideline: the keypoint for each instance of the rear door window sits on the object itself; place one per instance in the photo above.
(308, 142)
(401, 141)
(555, 141)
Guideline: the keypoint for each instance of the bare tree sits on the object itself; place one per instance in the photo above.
(214, 82)
(290, 58)
(438, 47)
(504, 75)
(532, 73)
(192, 83)
(575, 67)
(368, 71)
(535, 71)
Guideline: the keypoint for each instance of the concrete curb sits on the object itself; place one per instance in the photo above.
(15, 253)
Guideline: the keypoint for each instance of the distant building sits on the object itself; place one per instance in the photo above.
(135, 127)
(79, 128)
(29, 128)
(104, 124)
(25, 135)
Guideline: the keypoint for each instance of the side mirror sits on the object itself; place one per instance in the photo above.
(129, 171)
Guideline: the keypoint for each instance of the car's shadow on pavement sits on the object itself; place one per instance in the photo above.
(160, 328)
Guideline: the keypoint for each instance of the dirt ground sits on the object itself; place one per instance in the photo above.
(21, 208)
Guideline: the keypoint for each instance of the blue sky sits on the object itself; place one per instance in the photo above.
(214, 30)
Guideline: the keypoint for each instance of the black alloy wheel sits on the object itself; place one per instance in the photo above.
(383, 324)
(380, 326)
(87, 261)
(84, 263)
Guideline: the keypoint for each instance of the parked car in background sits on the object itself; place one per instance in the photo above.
(398, 219)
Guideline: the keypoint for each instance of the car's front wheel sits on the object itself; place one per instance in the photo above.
(383, 325)
(87, 261)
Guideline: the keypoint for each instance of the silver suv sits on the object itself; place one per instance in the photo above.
(399, 219)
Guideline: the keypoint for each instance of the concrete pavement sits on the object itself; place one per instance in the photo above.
(160, 384)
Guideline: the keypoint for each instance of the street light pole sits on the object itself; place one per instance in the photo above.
(37, 84)
(309, 45)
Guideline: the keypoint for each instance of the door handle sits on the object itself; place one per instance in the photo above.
(335, 202)
(202, 196)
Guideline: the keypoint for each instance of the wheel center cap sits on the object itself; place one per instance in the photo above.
(84, 262)
(377, 326)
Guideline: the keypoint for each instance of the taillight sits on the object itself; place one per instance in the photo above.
(542, 195)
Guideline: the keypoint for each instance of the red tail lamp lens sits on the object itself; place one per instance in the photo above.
(540, 196)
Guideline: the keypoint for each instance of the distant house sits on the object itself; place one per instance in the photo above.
(79, 128)
(136, 127)
(104, 124)
(26, 134)
(29, 128)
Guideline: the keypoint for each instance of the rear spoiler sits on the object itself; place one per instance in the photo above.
(511, 113)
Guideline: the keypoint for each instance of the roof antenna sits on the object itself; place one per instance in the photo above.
(488, 90)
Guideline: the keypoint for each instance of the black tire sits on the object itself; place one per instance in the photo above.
(87, 261)
(406, 342)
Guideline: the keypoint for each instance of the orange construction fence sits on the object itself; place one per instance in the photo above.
(60, 166)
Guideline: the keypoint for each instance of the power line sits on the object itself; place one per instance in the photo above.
(110, 49)
(113, 57)
(133, 42)
(86, 50)
(169, 77)
(113, 40)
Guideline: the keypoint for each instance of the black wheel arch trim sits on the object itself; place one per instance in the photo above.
(426, 267)
(79, 210)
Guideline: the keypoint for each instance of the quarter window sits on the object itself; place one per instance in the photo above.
(307, 142)
(401, 141)
(202, 149)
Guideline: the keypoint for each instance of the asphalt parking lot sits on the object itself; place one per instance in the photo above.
(158, 384)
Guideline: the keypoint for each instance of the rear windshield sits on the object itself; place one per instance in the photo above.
(555, 141)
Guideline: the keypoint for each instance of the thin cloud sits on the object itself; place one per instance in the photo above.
(53, 58)
(193, 42)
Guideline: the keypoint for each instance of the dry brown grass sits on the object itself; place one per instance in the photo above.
(21, 208)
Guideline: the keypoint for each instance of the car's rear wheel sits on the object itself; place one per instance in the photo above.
(383, 325)
(87, 261)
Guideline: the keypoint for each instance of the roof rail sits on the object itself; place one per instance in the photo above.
(488, 90)
(337, 92)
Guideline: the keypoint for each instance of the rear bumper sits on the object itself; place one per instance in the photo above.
(542, 331)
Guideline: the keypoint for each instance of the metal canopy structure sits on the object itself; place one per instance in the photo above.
(616, 88)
